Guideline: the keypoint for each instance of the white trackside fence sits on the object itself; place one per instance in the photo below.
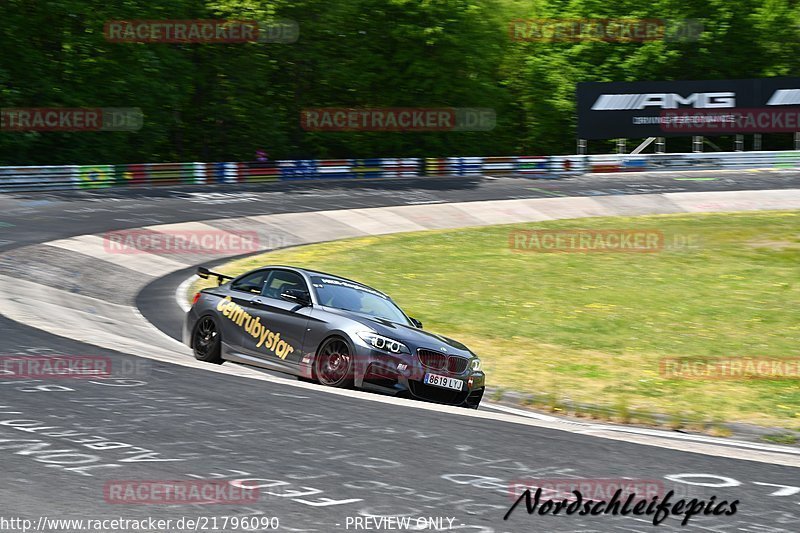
(91, 177)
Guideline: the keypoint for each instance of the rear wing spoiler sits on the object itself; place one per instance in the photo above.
(205, 273)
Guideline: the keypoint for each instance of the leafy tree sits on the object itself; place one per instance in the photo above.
(212, 102)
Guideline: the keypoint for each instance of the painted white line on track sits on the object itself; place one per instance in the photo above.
(523, 412)
(698, 438)
(593, 427)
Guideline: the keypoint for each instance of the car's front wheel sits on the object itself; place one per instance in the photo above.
(207, 341)
(334, 364)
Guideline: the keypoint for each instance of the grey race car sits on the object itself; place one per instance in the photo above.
(328, 329)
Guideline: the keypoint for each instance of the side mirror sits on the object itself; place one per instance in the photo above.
(416, 322)
(298, 296)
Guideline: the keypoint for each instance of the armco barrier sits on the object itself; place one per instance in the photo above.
(93, 177)
(36, 178)
(694, 161)
(540, 166)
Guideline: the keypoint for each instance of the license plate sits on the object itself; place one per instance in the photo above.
(443, 381)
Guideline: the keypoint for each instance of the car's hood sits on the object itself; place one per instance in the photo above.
(406, 334)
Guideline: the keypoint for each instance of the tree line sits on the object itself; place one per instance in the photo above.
(223, 102)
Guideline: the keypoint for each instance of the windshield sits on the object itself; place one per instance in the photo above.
(349, 296)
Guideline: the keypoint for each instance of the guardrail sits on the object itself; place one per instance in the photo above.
(694, 161)
(86, 177)
(541, 166)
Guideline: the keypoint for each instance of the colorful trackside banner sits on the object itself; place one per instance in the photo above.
(682, 108)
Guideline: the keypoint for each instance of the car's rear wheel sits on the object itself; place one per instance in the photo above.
(333, 365)
(207, 341)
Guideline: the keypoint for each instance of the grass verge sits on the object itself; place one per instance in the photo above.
(592, 328)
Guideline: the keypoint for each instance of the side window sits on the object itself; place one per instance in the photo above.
(252, 283)
(280, 280)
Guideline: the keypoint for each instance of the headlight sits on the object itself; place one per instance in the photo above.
(383, 343)
(475, 364)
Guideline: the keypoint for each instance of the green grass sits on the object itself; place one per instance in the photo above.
(591, 327)
(781, 439)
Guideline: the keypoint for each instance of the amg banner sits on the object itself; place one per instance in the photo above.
(682, 108)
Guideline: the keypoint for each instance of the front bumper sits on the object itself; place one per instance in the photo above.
(404, 374)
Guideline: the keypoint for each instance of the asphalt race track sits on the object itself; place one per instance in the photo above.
(321, 460)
